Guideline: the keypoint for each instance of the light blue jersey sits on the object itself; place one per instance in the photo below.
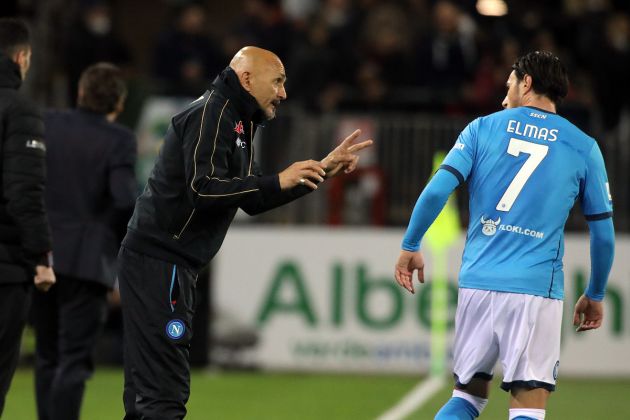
(525, 169)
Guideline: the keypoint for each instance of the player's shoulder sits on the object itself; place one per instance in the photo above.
(575, 132)
(491, 122)
(501, 116)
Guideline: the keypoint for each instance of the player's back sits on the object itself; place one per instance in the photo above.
(527, 169)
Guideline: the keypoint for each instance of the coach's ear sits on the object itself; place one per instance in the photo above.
(245, 78)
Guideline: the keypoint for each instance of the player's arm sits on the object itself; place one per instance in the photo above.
(427, 208)
(454, 171)
(602, 234)
(589, 311)
(597, 206)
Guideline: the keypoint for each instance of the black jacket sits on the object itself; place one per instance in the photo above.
(24, 233)
(90, 193)
(204, 172)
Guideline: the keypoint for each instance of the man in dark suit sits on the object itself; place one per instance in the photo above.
(90, 194)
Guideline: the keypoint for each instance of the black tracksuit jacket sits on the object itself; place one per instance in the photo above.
(204, 172)
(24, 232)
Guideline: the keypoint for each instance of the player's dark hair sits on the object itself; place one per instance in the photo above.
(14, 36)
(549, 76)
(102, 87)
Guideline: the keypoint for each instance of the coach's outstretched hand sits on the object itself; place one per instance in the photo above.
(588, 314)
(307, 172)
(344, 156)
(407, 263)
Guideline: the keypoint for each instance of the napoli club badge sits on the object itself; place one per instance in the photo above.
(175, 329)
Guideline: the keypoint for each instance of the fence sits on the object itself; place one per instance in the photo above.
(399, 166)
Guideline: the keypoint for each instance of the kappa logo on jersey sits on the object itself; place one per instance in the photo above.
(36, 144)
(489, 226)
(555, 370)
(175, 329)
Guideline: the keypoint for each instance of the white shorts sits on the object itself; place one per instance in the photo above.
(522, 331)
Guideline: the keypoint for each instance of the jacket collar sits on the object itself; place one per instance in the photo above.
(10, 76)
(227, 83)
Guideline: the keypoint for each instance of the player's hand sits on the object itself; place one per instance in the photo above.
(44, 278)
(344, 156)
(408, 262)
(308, 172)
(588, 314)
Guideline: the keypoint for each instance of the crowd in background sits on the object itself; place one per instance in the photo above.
(410, 55)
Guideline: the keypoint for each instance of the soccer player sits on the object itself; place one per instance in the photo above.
(525, 167)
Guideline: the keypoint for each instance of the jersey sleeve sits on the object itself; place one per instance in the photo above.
(459, 160)
(595, 198)
(427, 208)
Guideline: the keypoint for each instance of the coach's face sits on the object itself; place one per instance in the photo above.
(267, 86)
(513, 96)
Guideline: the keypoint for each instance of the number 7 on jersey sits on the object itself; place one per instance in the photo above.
(537, 153)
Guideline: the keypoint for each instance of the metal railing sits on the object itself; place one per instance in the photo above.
(403, 153)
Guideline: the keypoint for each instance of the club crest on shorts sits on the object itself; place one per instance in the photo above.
(175, 329)
(489, 226)
(555, 370)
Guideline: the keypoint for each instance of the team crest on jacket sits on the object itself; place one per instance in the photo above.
(175, 329)
(238, 129)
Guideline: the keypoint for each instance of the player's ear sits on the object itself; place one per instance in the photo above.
(527, 82)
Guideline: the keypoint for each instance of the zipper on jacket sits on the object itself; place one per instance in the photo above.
(184, 228)
(251, 146)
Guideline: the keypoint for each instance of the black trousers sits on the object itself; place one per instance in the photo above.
(14, 300)
(68, 320)
(158, 301)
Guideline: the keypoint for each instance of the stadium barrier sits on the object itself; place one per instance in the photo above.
(322, 298)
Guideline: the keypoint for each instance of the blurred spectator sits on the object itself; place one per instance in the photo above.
(312, 70)
(449, 54)
(263, 24)
(610, 67)
(185, 57)
(327, 45)
(487, 90)
(387, 44)
(89, 197)
(91, 40)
